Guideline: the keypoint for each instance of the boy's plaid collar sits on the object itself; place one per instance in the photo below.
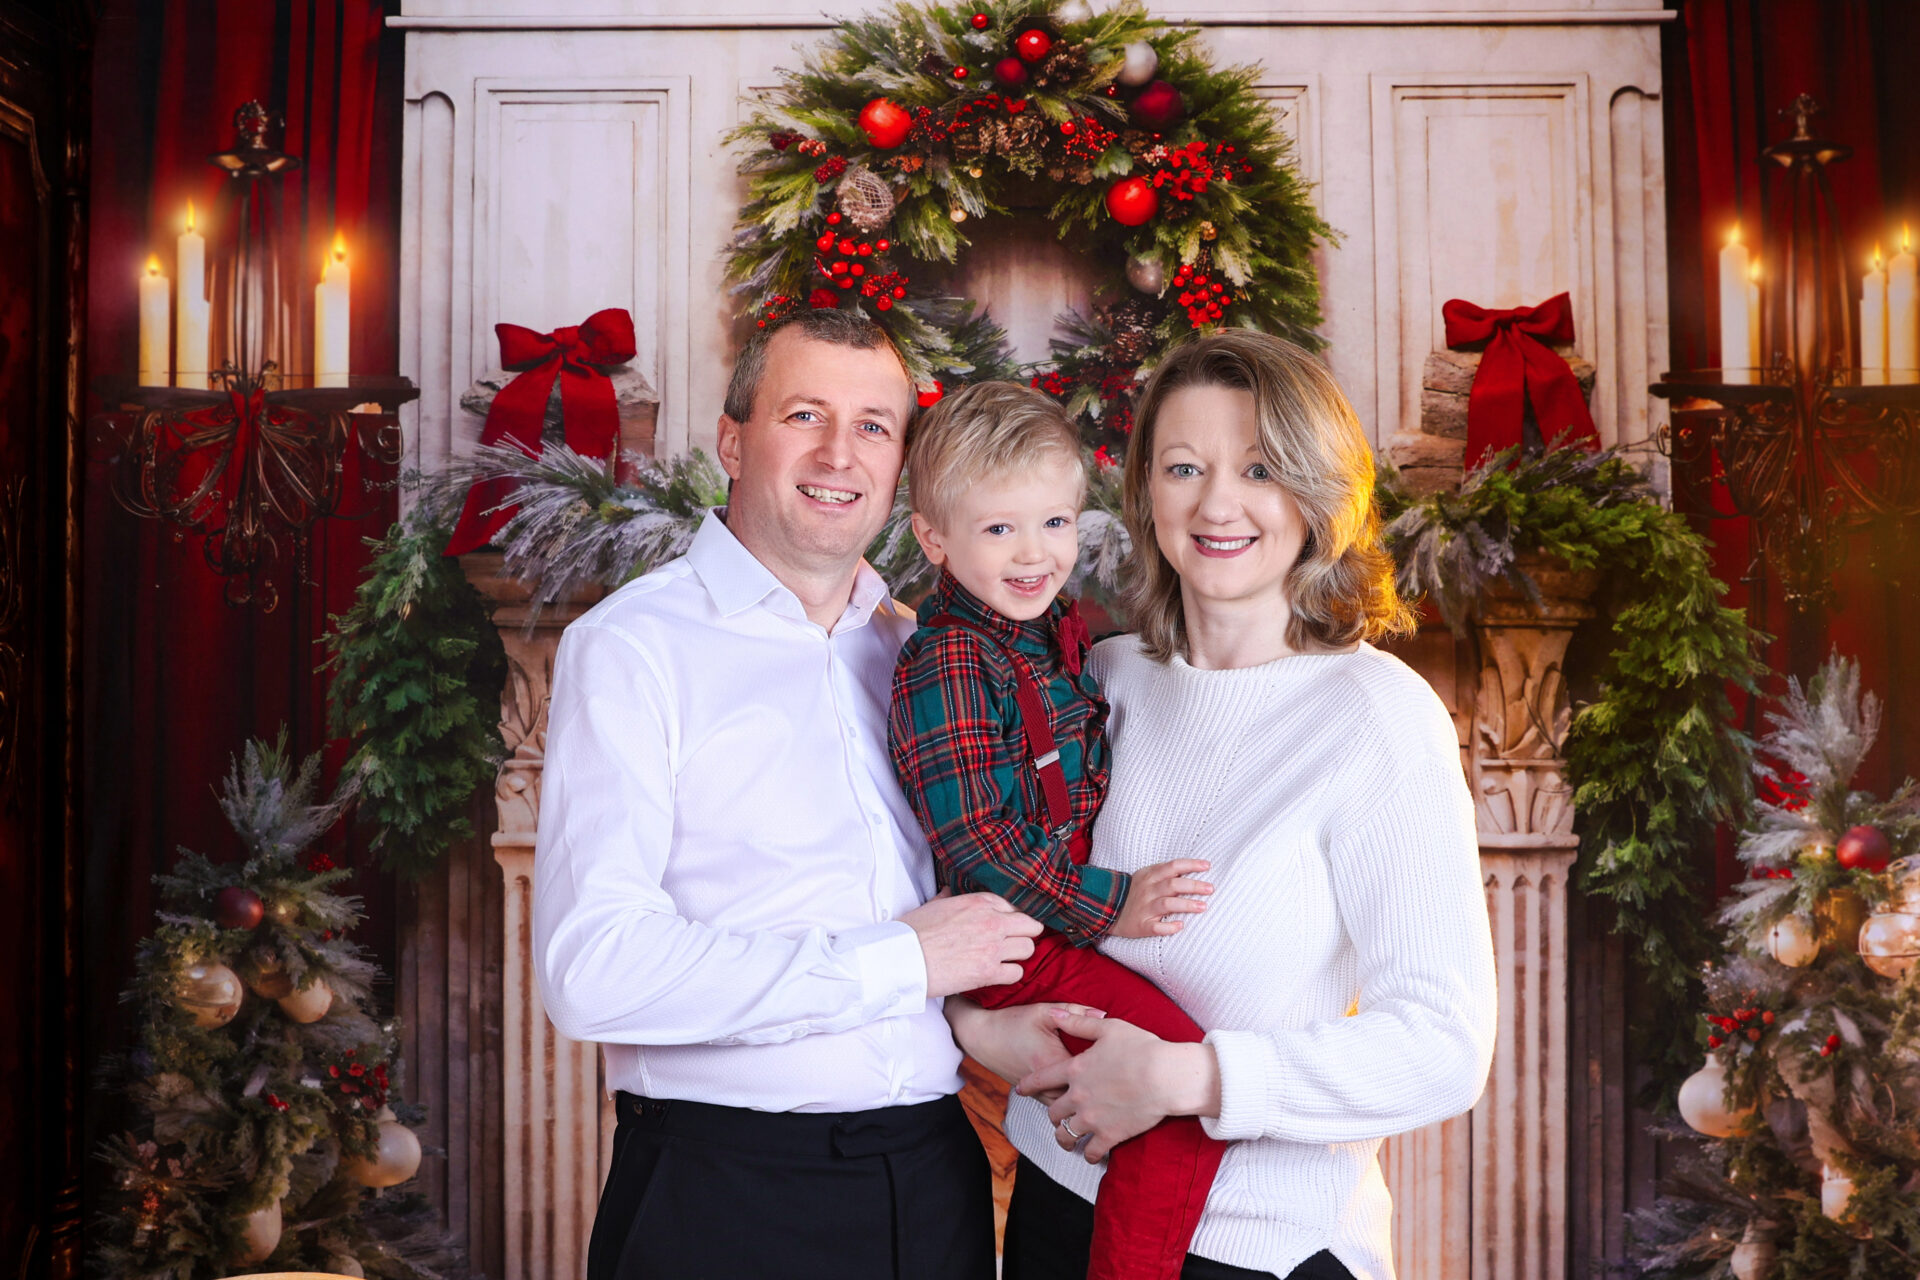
(1035, 638)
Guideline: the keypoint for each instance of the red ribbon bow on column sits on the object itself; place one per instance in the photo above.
(573, 354)
(1518, 367)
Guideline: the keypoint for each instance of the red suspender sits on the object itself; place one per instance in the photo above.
(1035, 724)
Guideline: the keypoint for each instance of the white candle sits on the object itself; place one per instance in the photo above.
(1759, 355)
(332, 305)
(192, 316)
(1903, 309)
(1873, 322)
(1736, 328)
(153, 326)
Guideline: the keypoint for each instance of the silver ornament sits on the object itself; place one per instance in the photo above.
(1147, 274)
(1073, 11)
(1138, 63)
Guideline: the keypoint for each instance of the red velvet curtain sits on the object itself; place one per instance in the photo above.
(1732, 66)
(176, 680)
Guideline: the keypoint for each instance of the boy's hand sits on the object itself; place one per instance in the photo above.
(1158, 896)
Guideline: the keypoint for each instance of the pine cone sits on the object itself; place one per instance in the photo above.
(934, 65)
(1067, 65)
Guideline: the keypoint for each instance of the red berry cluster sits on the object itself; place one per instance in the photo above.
(782, 140)
(1773, 873)
(927, 129)
(776, 309)
(1104, 460)
(1086, 138)
(1203, 297)
(320, 862)
(973, 110)
(830, 168)
(1783, 791)
(810, 147)
(1116, 392)
(885, 290)
(1054, 383)
(842, 259)
(1741, 1021)
(1833, 1042)
(276, 1102)
(365, 1085)
(1183, 172)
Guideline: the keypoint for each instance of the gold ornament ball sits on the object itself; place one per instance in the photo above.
(211, 993)
(1841, 913)
(345, 1264)
(1754, 1256)
(267, 979)
(260, 1234)
(1703, 1102)
(1793, 941)
(1904, 875)
(1138, 62)
(309, 1004)
(1890, 943)
(957, 214)
(396, 1156)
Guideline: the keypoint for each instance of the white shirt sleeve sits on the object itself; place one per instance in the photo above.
(1407, 881)
(615, 960)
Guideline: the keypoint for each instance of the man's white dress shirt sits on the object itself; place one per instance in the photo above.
(724, 852)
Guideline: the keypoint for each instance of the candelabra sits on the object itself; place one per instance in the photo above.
(1809, 445)
(251, 462)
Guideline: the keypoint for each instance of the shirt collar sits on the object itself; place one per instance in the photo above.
(737, 581)
(1034, 637)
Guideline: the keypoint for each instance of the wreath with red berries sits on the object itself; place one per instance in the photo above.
(908, 132)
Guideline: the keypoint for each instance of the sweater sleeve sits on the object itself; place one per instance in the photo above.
(961, 773)
(1406, 877)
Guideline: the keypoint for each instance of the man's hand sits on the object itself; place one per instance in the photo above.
(1158, 894)
(974, 940)
(1014, 1042)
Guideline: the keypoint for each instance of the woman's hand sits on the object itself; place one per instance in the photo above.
(1016, 1041)
(1126, 1082)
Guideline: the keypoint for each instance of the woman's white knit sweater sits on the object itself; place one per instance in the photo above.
(1326, 790)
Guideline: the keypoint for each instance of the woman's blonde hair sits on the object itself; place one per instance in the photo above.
(1341, 589)
(986, 431)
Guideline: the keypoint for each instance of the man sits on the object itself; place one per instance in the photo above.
(731, 893)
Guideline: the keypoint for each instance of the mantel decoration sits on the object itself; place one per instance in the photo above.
(1653, 755)
(266, 1089)
(1810, 1096)
(1810, 442)
(250, 452)
(871, 170)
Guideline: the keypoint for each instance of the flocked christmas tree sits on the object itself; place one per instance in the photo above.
(263, 1079)
(1810, 1096)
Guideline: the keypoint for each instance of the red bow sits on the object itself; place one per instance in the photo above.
(1074, 640)
(1519, 368)
(575, 354)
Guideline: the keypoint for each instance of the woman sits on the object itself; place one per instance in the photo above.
(1343, 963)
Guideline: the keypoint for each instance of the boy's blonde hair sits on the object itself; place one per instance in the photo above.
(989, 430)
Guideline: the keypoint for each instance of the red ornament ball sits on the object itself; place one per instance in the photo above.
(883, 302)
(981, 21)
(1033, 45)
(881, 246)
(959, 73)
(929, 398)
(833, 219)
(1864, 848)
(238, 908)
(823, 298)
(1132, 201)
(885, 123)
(1009, 73)
(1159, 104)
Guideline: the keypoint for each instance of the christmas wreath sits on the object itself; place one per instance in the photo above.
(908, 132)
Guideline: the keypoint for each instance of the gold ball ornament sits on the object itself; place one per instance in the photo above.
(260, 1234)
(1793, 941)
(266, 977)
(345, 1264)
(1138, 62)
(1890, 943)
(1903, 874)
(957, 213)
(396, 1155)
(1754, 1256)
(1836, 1193)
(210, 993)
(1703, 1102)
(309, 1004)
(1841, 913)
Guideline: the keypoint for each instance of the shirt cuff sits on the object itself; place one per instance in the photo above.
(891, 967)
(1248, 1085)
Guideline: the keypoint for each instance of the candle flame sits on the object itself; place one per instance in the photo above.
(1733, 236)
(1876, 257)
(1753, 271)
(339, 247)
(189, 215)
(153, 264)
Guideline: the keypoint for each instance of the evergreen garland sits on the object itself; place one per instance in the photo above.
(417, 672)
(1655, 759)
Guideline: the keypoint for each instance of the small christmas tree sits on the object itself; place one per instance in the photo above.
(1810, 1097)
(264, 1078)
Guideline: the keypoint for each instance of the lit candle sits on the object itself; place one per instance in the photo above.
(332, 301)
(193, 316)
(1736, 328)
(1873, 322)
(1753, 313)
(1903, 309)
(153, 325)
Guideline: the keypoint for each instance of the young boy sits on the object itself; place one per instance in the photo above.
(998, 735)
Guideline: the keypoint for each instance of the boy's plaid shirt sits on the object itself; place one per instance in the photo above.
(957, 743)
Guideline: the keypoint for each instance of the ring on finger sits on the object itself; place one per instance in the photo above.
(1066, 1124)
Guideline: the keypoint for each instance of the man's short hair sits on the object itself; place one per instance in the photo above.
(821, 324)
(990, 430)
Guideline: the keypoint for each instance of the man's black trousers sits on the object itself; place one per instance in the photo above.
(702, 1192)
